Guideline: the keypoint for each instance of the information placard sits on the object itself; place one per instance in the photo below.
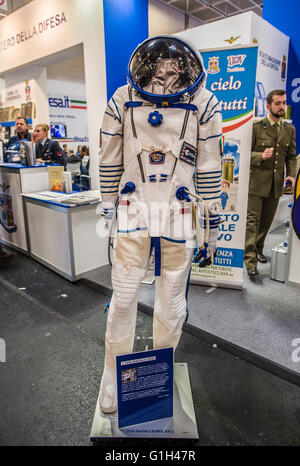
(145, 386)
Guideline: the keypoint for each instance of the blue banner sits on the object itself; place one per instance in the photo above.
(231, 74)
(229, 79)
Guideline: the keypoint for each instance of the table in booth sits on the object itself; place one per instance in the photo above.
(16, 179)
(62, 231)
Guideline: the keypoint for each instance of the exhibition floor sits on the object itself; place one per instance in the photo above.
(258, 322)
(54, 334)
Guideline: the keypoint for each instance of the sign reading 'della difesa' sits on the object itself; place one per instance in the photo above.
(145, 386)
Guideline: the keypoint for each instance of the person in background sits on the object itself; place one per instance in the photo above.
(47, 151)
(85, 160)
(72, 158)
(273, 164)
(78, 150)
(22, 134)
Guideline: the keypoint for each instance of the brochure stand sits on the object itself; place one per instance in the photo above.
(181, 426)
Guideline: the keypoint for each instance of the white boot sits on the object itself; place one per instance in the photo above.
(108, 388)
(162, 338)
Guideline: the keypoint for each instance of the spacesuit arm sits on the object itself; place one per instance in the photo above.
(111, 164)
(208, 169)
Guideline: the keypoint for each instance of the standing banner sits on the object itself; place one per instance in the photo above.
(231, 77)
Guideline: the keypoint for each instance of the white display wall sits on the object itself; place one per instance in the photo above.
(68, 106)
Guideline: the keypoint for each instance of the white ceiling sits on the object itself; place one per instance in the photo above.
(206, 11)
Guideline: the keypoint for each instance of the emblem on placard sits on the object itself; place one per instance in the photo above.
(213, 65)
(235, 63)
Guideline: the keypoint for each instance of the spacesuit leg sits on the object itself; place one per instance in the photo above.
(120, 329)
(170, 304)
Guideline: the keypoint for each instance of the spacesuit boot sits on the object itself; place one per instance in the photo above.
(108, 387)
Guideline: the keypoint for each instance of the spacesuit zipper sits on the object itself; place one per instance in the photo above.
(141, 168)
(186, 117)
(131, 114)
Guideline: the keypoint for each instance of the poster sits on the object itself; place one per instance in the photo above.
(231, 77)
(145, 386)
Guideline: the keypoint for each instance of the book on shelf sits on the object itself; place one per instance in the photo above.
(56, 178)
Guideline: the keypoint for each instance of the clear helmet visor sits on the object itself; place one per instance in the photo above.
(164, 66)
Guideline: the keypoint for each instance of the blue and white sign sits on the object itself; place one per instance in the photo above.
(231, 77)
(145, 386)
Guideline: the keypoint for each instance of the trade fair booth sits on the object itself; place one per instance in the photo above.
(58, 66)
(49, 75)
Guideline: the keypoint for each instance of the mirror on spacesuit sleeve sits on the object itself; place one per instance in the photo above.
(165, 66)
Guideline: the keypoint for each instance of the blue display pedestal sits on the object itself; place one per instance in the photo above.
(181, 426)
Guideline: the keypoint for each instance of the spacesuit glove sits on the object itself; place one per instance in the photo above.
(205, 255)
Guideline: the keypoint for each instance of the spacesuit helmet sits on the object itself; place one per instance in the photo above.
(165, 69)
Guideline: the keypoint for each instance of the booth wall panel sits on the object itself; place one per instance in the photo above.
(90, 250)
(126, 25)
(49, 236)
(285, 16)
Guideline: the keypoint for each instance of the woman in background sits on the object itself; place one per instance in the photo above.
(85, 160)
(46, 151)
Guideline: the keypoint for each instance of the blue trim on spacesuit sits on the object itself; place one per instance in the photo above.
(209, 137)
(111, 134)
(183, 105)
(111, 166)
(203, 122)
(208, 173)
(200, 121)
(212, 183)
(133, 230)
(110, 171)
(209, 178)
(119, 119)
(155, 243)
(174, 240)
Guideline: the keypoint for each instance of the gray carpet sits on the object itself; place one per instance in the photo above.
(54, 333)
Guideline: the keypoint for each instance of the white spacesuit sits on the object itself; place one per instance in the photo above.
(160, 141)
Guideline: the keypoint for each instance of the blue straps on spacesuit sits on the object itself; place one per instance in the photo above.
(155, 243)
(182, 105)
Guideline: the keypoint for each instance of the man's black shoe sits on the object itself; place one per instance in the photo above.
(252, 271)
(5, 256)
(261, 258)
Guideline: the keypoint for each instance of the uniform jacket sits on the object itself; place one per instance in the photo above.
(263, 173)
(50, 152)
(14, 143)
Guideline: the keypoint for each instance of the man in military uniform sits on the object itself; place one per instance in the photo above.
(273, 164)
